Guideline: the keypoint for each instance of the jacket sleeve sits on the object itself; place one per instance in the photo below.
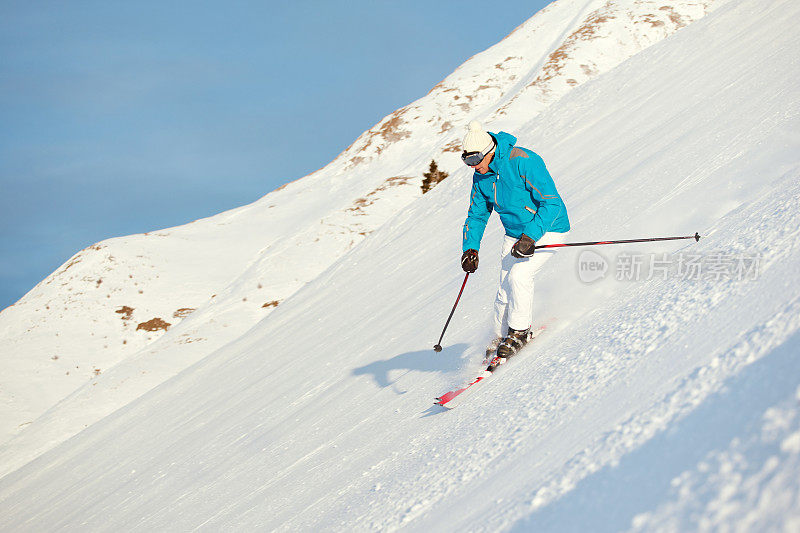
(480, 208)
(543, 190)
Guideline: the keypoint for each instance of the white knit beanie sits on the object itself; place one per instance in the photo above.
(477, 140)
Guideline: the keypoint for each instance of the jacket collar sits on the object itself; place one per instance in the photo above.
(505, 142)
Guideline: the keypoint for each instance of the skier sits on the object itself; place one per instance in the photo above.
(514, 182)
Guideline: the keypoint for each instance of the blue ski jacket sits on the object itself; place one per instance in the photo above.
(519, 187)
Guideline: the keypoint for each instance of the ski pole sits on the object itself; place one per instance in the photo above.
(438, 347)
(696, 237)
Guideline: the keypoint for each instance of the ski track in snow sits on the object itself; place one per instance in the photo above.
(660, 404)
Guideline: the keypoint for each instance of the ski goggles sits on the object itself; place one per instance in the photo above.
(474, 158)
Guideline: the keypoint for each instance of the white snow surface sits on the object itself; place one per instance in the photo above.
(653, 404)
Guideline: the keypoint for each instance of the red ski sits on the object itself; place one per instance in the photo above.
(446, 399)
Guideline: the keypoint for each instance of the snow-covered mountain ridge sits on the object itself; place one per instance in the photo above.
(115, 299)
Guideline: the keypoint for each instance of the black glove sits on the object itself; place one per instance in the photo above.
(524, 247)
(469, 260)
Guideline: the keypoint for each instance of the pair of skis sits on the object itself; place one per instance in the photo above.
(448, 399)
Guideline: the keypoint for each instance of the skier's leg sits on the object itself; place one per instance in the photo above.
(520, 293)
(500, 323)
(520, 283)
(501, 300)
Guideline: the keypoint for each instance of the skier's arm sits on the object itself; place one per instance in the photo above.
(542, 188)
(480, 208)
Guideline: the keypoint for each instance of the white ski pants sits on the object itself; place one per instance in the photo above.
(513, 306)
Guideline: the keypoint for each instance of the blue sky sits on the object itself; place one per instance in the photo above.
(125, 117)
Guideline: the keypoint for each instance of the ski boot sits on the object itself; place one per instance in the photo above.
(514, 341)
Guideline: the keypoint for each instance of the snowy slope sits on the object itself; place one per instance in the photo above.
(664, 403)
(184, 292)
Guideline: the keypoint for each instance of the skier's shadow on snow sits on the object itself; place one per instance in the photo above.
(388, 372)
